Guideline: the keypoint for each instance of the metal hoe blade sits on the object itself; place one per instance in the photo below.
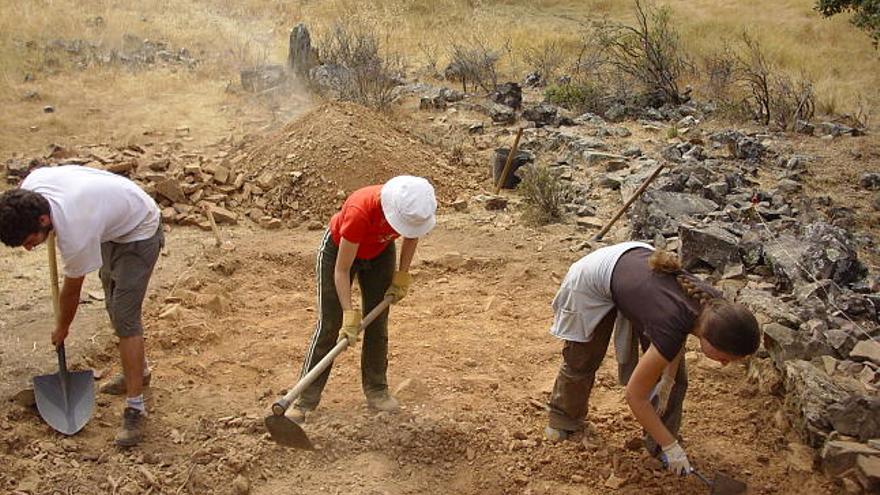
(286, 432)
(65, 400)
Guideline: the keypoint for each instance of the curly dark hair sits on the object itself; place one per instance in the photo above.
(20, 212)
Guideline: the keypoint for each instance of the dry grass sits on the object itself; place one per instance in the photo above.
(836, 55)
(226, 35)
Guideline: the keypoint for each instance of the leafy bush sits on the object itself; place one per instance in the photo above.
(650, 52)
(772, 97)
(578, 97)
(866, 14)
(370, 77)
(474, 61)
(543, 193)
(548, 58)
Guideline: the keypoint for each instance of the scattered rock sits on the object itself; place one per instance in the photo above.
(502, 114)
(857, 416)
(172, 312)
(223, 216)
(782, 343)
(663, 211)
(866, 350)
(541, 114)
(491, 202)
(170, 189)
(800, 457)
(868, 472)
(508, 94)
(241, 485)
(840, 456)
(614, 482)
(810, 392)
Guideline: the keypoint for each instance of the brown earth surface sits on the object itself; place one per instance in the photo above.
(470, 359)
(470, 356)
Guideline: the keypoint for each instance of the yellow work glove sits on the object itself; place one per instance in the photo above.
(351, 322)
(399, 286)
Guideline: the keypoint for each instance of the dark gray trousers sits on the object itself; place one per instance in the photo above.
(574, 383)
(374, 278)
(125, 275)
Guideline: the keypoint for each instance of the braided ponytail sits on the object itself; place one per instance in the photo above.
(729, 327)
(666, 262)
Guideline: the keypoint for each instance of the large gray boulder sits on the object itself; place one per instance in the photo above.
(857, 416)
(301, 56)
(542, 114)
(840, 456)
(330, 77)
(771, 307)
(711, 245)
(661, 212)
(831, 254)
(810, 392)
(784, 344)
(783, 255)
(508, 94)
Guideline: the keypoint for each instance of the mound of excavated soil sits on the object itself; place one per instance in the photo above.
(310, 165)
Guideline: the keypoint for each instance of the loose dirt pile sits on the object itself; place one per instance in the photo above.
(301, 172)
(308, 167)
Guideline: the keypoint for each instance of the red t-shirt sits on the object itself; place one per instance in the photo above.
(362, 221)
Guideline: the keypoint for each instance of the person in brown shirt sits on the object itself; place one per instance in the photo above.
(663, 305)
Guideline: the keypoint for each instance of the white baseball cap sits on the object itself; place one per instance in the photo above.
(409, 205)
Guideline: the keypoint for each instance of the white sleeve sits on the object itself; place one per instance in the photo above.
(83, 261)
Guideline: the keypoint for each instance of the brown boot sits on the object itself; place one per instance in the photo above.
(116, 385)
(132, 428)
(383, 401)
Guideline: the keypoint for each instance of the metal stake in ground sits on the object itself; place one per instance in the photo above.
(630, 201)
(509, 162)
(284, 430)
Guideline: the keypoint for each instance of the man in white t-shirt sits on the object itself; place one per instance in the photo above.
(101, 221)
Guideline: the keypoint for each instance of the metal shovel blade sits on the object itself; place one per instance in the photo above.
(725, 485)
(286, 432)
(65, 400)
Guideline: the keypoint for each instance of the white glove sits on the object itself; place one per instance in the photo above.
(663, 391)
(675, 459)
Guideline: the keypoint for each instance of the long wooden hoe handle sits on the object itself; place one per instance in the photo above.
(283, 403)
(630, 201)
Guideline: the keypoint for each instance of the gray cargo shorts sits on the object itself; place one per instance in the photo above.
(125, 275)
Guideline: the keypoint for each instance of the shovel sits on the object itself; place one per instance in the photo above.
(722, 484)
(284, 430)
(65, 400)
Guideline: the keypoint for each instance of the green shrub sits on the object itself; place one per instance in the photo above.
(543, 194)
(584, 97)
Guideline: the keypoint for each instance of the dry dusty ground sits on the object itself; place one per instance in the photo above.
(470, 359)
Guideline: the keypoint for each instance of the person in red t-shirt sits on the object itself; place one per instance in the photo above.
(360, 241)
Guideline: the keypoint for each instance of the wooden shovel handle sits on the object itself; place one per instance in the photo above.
(53, 275)
(509, 162)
